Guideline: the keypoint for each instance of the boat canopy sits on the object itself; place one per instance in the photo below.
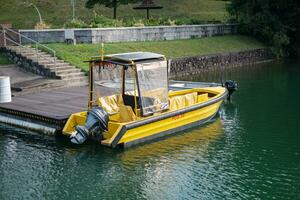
(137, 79)
(128, 58)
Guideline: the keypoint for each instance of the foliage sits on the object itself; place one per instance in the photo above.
(41, 25)
(274, 21)
(109, 3)
(219, 44)
(76, 24)
(101, 21)
(59, 13)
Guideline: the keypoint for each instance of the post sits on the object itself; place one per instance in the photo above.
(148, 13)
(4, 37)
(73, 7)
(102, 51)
(36, 51)
(20, 42)
(54, 54)
(115, 4)
(20, 38)
(134, 86)
(91, 86)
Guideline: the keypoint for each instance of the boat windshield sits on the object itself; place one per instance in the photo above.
(153, 86)
(107, 80)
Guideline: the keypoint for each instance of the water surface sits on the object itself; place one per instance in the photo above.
(252, 151)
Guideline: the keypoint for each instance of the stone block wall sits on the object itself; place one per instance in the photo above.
(97, 35)
(197, 64)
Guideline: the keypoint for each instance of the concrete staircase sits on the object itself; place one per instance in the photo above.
(48, 66)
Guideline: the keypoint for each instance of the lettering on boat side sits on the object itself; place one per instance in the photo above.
(177, 117)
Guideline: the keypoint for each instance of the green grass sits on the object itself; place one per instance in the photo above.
(57, 12)
(172, 49)
(4, 60)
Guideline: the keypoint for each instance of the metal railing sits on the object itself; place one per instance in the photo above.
(36, 45)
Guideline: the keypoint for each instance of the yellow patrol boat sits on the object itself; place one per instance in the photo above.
(130, 102)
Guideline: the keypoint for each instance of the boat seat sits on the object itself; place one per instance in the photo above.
(191, 99)
(126, 114)
(111, 103)
(202, 97)
(182, 101)
(177, 102)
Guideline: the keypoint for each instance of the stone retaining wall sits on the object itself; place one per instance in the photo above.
(180, 66)
(194, 65)
(97, 35)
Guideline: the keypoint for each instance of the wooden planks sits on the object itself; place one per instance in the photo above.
(56, 104)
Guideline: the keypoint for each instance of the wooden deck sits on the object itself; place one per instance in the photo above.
(56, 105)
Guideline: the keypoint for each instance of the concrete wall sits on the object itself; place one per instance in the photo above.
(194, 65)
(96, 35)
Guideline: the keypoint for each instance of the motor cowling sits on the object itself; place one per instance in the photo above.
(96, 123)
(231, 87)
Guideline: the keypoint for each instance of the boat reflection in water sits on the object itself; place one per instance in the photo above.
(184, 141)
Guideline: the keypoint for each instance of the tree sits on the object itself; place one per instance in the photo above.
(276, 22)
(109, 3)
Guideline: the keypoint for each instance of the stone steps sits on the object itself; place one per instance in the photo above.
(70, 75)
(59, 67)
(36, 54)
(67, 71)
(53, 67)
(45, 62)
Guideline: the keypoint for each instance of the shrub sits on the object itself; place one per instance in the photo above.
(42, 25)
(76, 24)
(101, 21)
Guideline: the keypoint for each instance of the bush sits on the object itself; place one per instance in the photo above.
(42, 25)
(101, 21)
(280, 43)
(76, 24)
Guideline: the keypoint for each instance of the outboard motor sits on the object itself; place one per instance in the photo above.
(96, 122)
(231, 86)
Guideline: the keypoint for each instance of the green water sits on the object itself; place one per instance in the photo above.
(252, 151)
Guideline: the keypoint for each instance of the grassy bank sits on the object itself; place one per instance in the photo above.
(56, 12)
(3, 59)
(172, 49)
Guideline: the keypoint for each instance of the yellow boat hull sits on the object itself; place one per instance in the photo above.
(138, 132)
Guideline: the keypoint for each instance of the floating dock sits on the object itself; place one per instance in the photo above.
(46, 111)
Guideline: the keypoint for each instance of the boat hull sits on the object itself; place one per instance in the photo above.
(162, 125)
(165, 133)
